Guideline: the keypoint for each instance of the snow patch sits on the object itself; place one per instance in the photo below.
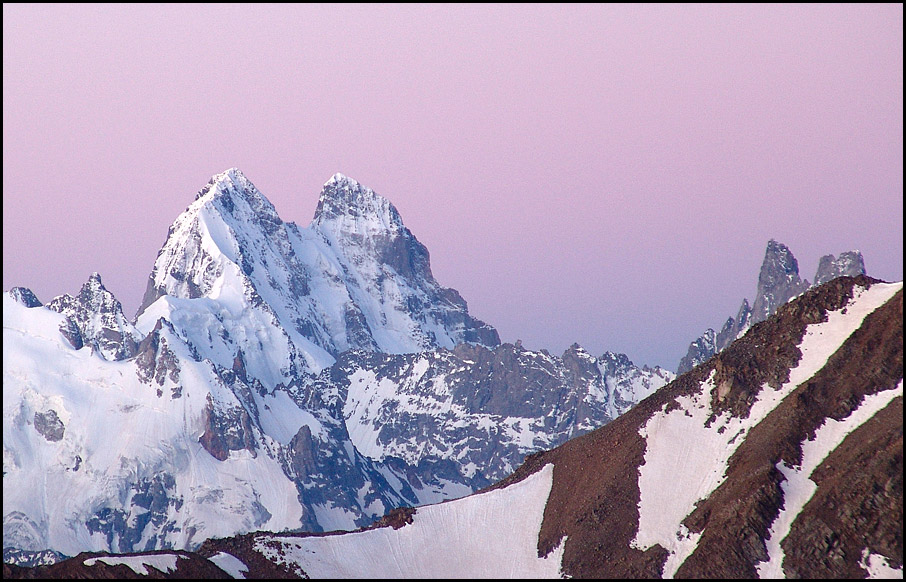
(230, 564)
(163, 562)
(798, 488)
(877, 566)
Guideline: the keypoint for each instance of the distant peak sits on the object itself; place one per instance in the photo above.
(778, 255)
(344, 201)
(231, 179)
(339, 178)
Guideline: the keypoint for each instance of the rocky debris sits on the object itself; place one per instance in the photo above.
(395, 518)
(24, 296)
(736, 518)
(95, 318)
(858, 504)
(49, 425)
(850, 510)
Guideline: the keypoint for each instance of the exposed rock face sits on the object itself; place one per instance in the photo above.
(226, 430)
(778, 281)
(98, 318)
(850, 264)
(49, 425)
(155, 362)
(24, 296)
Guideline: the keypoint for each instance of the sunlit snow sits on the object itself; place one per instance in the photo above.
(877, 567)
(230, 564)
(491, 535)
(162, 562)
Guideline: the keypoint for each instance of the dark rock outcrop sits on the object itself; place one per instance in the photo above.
(95, 318)
(49, 425)
(24, 296)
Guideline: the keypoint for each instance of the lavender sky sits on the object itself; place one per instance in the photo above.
(608, 175)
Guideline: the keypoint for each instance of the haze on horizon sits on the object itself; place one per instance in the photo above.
(600, 174)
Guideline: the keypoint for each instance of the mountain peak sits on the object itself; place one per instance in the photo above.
(230, 179)
(850, 264)
(778, 280)
(354, 208)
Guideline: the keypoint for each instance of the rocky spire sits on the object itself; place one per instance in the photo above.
(95, 318)
(778, 281)
(849, 264)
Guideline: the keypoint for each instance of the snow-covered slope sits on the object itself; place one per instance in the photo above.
(781, 456)
(103, 455)
(487, 535)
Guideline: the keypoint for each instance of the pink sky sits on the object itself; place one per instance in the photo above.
(595, 173)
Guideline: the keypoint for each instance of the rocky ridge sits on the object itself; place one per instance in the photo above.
(778, 282)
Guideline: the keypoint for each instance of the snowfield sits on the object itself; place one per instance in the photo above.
(490, 535)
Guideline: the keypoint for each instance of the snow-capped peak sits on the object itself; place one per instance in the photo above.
(356, 279)
(222, 181)
(347, 206)
(339, 177)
